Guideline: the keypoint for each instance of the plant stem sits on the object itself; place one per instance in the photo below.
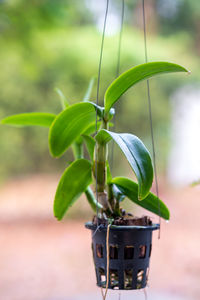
(92, 200)
(101, 157)
(111, 198)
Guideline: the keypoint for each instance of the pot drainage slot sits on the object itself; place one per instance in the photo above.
(140, 275)
(99, 250)
(113, 252)
(128, 252)
(102, 277)
(142, 251)
(128, 279)
(114, 279)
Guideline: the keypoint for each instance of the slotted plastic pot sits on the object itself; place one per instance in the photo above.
(129, 255)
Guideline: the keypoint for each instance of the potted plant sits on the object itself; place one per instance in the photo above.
(121, 242)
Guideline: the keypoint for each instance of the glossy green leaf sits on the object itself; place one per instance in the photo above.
(63, 100)
(134, 75)
(136, 154)
(118, 193)
(89, 90)
(30, 119)
(92, 200)
(151, 202)
(92, 128)
(101, 111)
(90, 144)
(73, 183)
(69, 125)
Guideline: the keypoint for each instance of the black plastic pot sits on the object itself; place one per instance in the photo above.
(129, 254)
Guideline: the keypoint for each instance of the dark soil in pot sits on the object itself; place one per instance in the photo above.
(130, 244)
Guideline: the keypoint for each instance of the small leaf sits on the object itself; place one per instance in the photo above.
(69, 125)
(92, 128)
(63, 100)
(98, 108)
(89, 90)
(90, 143)
(134, 75)
(101, 111)
(73, 183)
(30, 119)
(137, 155)
(151, 202)
(118, 193)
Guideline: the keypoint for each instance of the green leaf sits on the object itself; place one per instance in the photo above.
(69, 125)
(73, 183)
(108, 173)
(30, 119)
(137, 155)
(63, 100)
(118, 193)
(134, 75)
(90, 143)
(92, 200)
(151, 202)
(101, 111)
(92, 128)
(89, 89)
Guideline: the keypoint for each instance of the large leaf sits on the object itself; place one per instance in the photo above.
(73, 183)
(69, 125)
(134, 75)
(30, 119)
(136, 154)
(151, 202)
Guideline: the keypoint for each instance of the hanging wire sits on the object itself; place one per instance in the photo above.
(97, 99)
(145, 294)
(117, 73)
(150, 114)
(120, 40)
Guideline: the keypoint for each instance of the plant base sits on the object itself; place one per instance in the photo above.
(129, 254)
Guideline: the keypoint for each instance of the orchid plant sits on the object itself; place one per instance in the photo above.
(87, 123)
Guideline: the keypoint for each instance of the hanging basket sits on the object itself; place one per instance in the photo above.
(129, 254)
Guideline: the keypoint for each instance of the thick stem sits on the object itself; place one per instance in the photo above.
(111, 198)
(92, 200)
(101, 157)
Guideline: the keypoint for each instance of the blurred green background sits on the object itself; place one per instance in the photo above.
(46, 44)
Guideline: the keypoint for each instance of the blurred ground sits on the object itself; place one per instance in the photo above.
(42, 259)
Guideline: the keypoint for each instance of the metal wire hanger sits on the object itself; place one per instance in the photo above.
(150, 114)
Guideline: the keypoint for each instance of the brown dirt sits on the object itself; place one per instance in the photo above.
(41, 258)
(126, 220)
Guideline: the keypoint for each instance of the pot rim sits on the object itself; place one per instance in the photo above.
(92, 226)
